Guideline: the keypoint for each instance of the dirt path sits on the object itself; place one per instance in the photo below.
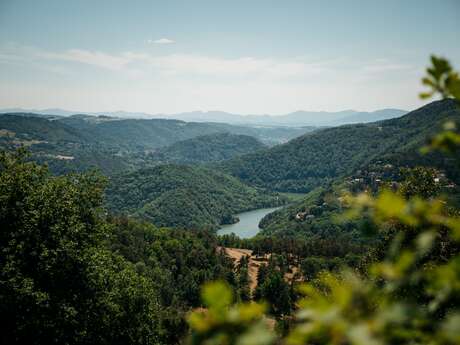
(254, 264)
(236, 254)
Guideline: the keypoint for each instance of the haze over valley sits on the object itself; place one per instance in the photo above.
(295, 119)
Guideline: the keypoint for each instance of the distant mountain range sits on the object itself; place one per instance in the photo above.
(295, 119)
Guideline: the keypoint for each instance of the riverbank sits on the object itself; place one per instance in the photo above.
(248, 224)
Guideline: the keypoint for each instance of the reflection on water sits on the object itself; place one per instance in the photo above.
(248, 226)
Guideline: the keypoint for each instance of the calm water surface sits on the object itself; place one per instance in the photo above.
(248, 226)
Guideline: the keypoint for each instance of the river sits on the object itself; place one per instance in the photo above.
(248, 226)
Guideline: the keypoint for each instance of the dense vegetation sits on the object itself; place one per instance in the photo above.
(82, 142)
(316, 215)
(176, 263)
(71, 275)
(59, 282)
(156, 133)
(208, 148)
(319, 157)
(30, 127)
(185, 196)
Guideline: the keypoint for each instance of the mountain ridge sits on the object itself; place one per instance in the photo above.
(293, 119)
(315, 158)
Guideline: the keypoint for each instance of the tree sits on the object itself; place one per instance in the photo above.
(273, 289)
(243, 290)
(58, 283)
(311, 266)
(242, 275)
(419, 181)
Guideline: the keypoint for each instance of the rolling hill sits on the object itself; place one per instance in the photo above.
(38, 128)
(185, 196)
(313, 159)
(81, 142)
(208, 148)
(133, 133)
(155, 133)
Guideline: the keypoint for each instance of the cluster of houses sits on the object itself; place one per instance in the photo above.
(301, 216)
(312, 212)
(386, 174)
(371, 180)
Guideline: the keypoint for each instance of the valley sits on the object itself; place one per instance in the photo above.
(229, 172)
(175, 204)
(202, 175)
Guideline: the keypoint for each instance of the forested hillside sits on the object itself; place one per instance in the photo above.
(154, 133)
(131, 133)
(82, 142)
(313, 159)
(185, 196)
(317, 215)
(208, 148)
(28, 127)
(72, 274)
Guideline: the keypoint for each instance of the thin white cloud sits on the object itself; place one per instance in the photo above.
(99, 59)
(180, 82)
(385, 67)
(161, 41)
(145, 66)
(191, 65)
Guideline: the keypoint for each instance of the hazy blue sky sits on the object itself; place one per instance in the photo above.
(238, 56)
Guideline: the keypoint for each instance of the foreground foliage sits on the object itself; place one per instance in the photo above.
(70, 275)
(410, 296)
(58, 282)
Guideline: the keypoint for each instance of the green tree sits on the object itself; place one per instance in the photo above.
(242, 276)
(312, 266)
(275, 290)
(58, 283)
(420, 181)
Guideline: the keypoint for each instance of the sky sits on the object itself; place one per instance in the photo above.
(247, 57)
